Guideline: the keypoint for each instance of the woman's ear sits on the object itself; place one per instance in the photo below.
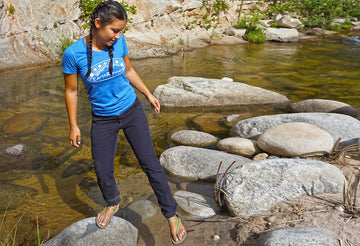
(97, 23)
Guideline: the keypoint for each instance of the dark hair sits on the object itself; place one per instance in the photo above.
(107, 12)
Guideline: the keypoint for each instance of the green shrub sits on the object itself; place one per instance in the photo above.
(256, 35)
(11, 9)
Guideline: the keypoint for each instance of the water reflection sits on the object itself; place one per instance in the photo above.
(62, 177)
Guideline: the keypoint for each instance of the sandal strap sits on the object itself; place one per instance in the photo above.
(112, 207)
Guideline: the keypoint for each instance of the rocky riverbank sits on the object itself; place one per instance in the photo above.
(33, 34)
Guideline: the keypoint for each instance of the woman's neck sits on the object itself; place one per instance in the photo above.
(96, 46)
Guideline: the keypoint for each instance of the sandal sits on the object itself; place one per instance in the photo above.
(178, 221)
(114, 209)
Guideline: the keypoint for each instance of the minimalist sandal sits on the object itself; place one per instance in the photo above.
(178, 222)
(113, 208)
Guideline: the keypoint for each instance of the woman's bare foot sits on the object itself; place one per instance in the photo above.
(103, 218)
(177, 229)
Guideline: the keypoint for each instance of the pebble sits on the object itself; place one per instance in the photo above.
(340, 208)
(215, 237)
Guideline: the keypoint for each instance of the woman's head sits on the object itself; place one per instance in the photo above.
(107, 21)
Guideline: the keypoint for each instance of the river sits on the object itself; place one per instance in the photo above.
(54, 185)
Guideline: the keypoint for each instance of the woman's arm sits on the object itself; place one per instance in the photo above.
(71, 99)
(137, 82)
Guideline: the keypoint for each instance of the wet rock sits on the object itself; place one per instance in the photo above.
(85, 232)
(12, 195)
(196, 204)
(299, 236)
(77, 168)
(196, 91)
(324, 106)
(197, 163)
(143, 209)
(20, 157)
(24, 124)
(193, 138)
(337, 125)
(239, 146)
(253, 189)
(15, 150)
(287, 21)
(281, 34)
(296, 139)
(209, 122)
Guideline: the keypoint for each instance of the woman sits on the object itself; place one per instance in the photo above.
(101, 59)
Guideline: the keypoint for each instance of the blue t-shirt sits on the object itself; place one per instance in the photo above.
(109, 95)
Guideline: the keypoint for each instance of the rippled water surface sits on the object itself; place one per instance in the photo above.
(56, 183)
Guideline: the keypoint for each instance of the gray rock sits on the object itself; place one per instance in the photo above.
(337, 125)
(196, 91)
(299, 236)
(287, 21)
(196, 204)
(194, 163)
(281, 34)
(296, 139)
(143, 208)
(193, 138)
(324, 106)
(239, 146)
(85, 232)
(253, 189)
(15, 150)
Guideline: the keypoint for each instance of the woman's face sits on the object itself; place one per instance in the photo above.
(106, 35)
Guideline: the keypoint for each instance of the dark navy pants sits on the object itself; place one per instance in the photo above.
(104, 138)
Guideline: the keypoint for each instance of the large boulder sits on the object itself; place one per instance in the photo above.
(324, 106)
(337, 125)
(85, 232)
(281, 34)
(202, 92)
(296, 139)
(253, 189)
(194, 163)
(299, 236)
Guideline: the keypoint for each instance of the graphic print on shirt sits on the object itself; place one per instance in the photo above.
(98, 74)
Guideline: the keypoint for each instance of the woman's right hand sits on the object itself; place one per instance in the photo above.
(75, 137)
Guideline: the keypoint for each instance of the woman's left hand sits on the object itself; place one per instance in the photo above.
(155, 103)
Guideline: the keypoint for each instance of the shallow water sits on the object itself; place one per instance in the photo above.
(56, 183)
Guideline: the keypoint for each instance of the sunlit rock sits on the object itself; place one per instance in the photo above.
(282, 34)
(203, 92)
(193, 138)
(239, 146)
(296, 139)
(85, 232)
(194, 163)
(337, 125)
(324, 106)
(299, 236)
(253, 189)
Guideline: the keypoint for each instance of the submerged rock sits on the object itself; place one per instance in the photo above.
(12, 195)
(203, 92)
(253, 189)
(296, 139)
(337, 125)
(141, 209)
(85, 232)
(197, 163)
(24, 124)
(299, 236)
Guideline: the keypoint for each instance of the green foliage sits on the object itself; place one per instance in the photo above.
(11, 9)
(213, 9)
(87, 7)
(319, 13)
(256, 35)
(55, 25)
(65, 42)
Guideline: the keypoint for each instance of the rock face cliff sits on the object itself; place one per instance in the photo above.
(33, 31)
